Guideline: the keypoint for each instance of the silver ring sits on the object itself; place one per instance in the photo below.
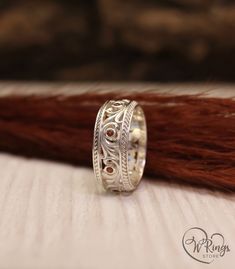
(119, 146)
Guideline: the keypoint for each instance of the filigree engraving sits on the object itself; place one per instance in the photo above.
(114, 144)
(110, 153)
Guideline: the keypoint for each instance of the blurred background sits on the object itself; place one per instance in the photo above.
(117, 40)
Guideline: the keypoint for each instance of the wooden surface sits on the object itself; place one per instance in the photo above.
(55, 216)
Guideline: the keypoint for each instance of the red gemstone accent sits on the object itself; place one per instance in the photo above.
(110, 132)
(109, 169)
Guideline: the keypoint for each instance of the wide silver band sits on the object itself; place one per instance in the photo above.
(119, 146)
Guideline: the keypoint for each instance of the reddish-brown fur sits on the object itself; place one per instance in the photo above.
(191, 139)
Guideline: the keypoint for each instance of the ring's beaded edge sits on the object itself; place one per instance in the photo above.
(95, 153)
(126, 182)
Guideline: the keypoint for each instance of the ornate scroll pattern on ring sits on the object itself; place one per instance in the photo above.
(109, 144)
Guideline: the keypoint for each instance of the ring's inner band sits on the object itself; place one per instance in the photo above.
(137, 146)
